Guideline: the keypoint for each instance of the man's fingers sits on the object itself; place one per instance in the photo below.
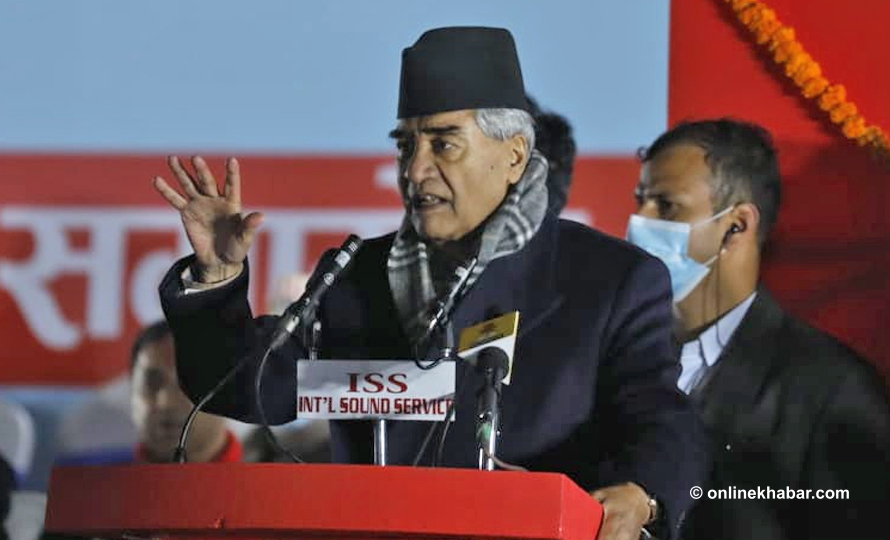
(175, 199)
(599, 495)
(233, 182)
(249, 226)
(206, 182)
(253, 220)
(182, 176)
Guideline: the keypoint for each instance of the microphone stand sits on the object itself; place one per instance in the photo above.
(448, 352)
(492, 363)
(446, 334)
(313, 338)
(380, 448)
(380, 442)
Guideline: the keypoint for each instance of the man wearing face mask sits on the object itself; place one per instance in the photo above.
(788, 406)
(592, 393)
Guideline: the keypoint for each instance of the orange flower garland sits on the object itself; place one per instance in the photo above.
(800, 67)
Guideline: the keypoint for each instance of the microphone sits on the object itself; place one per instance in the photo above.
(493, 364)
(329, 271)
(444, 306)
(492, 361)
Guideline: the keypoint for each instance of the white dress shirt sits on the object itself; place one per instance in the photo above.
(702, 353)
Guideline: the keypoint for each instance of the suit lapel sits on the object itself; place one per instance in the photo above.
(524, 281)
(735, 383)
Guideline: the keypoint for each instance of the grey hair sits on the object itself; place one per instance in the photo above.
(502, 124)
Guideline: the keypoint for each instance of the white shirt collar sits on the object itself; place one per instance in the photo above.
(710, 344)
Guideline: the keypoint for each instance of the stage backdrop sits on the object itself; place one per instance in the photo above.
(831, 250)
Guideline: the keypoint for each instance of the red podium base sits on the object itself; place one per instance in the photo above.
(347, 502)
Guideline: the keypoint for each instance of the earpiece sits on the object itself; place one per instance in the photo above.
(733, 229)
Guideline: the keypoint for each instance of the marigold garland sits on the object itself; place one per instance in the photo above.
(807, 75)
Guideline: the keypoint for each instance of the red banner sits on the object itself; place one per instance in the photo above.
(84, 241)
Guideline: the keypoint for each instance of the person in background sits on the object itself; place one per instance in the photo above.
(787, 406)
(554, 139)
(21, 510)
(160, 407)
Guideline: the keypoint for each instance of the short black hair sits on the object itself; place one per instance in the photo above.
(743, 162)
(148, 335)
(554, 139)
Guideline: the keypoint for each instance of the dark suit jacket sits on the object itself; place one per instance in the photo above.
(790, 406)
(594, 384)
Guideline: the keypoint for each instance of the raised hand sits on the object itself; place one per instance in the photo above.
(217, 231)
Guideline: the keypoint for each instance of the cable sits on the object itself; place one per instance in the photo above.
(431, 365)
(427, 439)
(440, 448)
(441, 313)
(443, 423)
(503, 464)
(179, 454)
(270, 435)
(720, 342)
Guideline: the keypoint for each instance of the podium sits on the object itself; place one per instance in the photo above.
(343, 502)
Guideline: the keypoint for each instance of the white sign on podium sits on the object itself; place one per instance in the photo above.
(373, 390)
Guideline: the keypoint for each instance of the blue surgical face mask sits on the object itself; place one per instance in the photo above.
(669, 241)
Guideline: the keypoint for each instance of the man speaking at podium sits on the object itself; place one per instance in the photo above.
(593, 391)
